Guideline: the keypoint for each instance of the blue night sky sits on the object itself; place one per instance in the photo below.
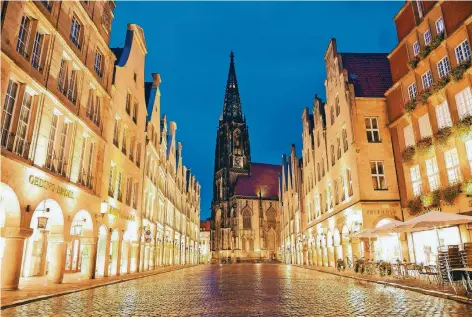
(279, 49)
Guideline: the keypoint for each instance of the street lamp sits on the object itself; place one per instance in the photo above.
(103, 208)
(77, 228)
(43, 220)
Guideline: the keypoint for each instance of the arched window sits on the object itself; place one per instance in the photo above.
(251, 244)
(246, 219)
(271, 218)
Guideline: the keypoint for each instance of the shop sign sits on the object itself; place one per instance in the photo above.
(381, 212)
(39, 182)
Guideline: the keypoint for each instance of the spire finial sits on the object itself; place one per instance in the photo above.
(232, 104)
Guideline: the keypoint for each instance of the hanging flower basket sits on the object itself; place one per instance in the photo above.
(437, 40)
(408, 154)
(467, 187)
(413, 63)
(415, 205)
(463, 128)
(442, 137)
(410, 105)
(450, 193)
(458, 72)
(439, 84)
(424, 146)
(425, 95)
(431, 199)
(425, 51)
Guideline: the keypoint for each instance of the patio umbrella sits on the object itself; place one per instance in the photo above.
(391, 227)
(368, 233)
(433, 220)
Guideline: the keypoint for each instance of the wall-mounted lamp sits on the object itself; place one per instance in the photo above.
(103, 208)
(28, 208)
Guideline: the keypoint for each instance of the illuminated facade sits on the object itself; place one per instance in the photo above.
(245, 207)
(348, 172)
(430, 112)
(205, 246)
(292, 219)
(73, 139)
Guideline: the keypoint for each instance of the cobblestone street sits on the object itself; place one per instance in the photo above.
(243, 290)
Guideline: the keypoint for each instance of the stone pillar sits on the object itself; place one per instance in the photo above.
(12, 255)
(42, 265)
(118, 255)
(356, 248)
(345, 249)
(89, 257)
(107, 254)
(57, 258)
(146, 257)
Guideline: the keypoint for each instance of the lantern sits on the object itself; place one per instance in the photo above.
(42, 222)
(103, 208)
(76, 229)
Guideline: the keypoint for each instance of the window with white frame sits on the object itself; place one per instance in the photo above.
(37, 51)
(21, 146)
(343, 187)
(432, 172)
(74, 34)
(444, 67)
(425, 126)
(378, 175)
(412, 91)
(443, 115)
(333, 155)
(462, 52)
(372, 129)
(336, 192)
(90, 165)
(468, 148)
(23, 36)
(338, 141)
(111, 174)
(8, 106)
(416, 48)
(415, 177)
(98, 64)
(317, 205)
(464, 103)
(329, 196)
(440, 25)
(409, 135)
(62, 77)
(427, 37)
(50, 154)
(349, 182)
(452, 166)
(118, 189)
(427, 79)
(63, 148)
(345, 142)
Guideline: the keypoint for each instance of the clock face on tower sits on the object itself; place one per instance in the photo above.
(238, 162)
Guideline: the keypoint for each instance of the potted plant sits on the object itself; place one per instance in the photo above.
(467, 187)
(458, 71)
(425, 95)
(408, 154)
(442, 136)
(385, 268)
(431, 199)
(463, 128)
(450, 193)
(415, 205)
(437, 40)
(424, 146)
(425, 51)
(440, 84)
(410, 105)
(413, 63)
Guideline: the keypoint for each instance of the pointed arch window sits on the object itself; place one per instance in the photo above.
(246, 219)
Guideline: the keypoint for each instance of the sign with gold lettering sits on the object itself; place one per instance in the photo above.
(381, 212)
(39, 182)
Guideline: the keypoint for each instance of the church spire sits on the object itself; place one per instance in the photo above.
(232, 104)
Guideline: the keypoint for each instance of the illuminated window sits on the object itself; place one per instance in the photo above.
(63, 153)
(427, 37)
(246, 219)
(345, 142)
(425, 126)
(462, 52)
(349, 182)
(433, 174)
(412, 91)
(427, 79)
(409, 136)
(440, 25)
(338, 107)
(50, 155)
(23, 37)
(372, 129)
(118, 189)
(332, 114)
(98, 64)
(468, 147)
(378, 175)
(416, 48)
(415, 177)
(75, 29)
(343, 188)
(444, 67)
(443, 115)
(8, 106)
(452, 166)
(37, 51)
(72, 91)
(333, 155)
(22, 145)
(338, 140)
(329, 197)
(336, 192)
(464, 103)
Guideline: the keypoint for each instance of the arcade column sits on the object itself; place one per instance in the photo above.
(14, 241)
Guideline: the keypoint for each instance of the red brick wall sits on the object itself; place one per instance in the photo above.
(399, 63)
(405, 21)
(394, 104)
(427, 5)
(455, 12)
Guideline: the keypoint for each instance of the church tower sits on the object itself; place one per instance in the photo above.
(232, 152)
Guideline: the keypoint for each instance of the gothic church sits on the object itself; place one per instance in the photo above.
(245, 205)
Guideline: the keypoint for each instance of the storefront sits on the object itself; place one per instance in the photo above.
(425, 244)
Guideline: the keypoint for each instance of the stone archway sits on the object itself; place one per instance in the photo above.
(12, 237)
(102, 250)
(46, 249)
(80, 245)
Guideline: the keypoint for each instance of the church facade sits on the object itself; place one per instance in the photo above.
(245, 205)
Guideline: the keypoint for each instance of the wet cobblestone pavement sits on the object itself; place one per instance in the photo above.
(243, 290)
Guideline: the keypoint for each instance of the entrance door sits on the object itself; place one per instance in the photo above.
(74, 256)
